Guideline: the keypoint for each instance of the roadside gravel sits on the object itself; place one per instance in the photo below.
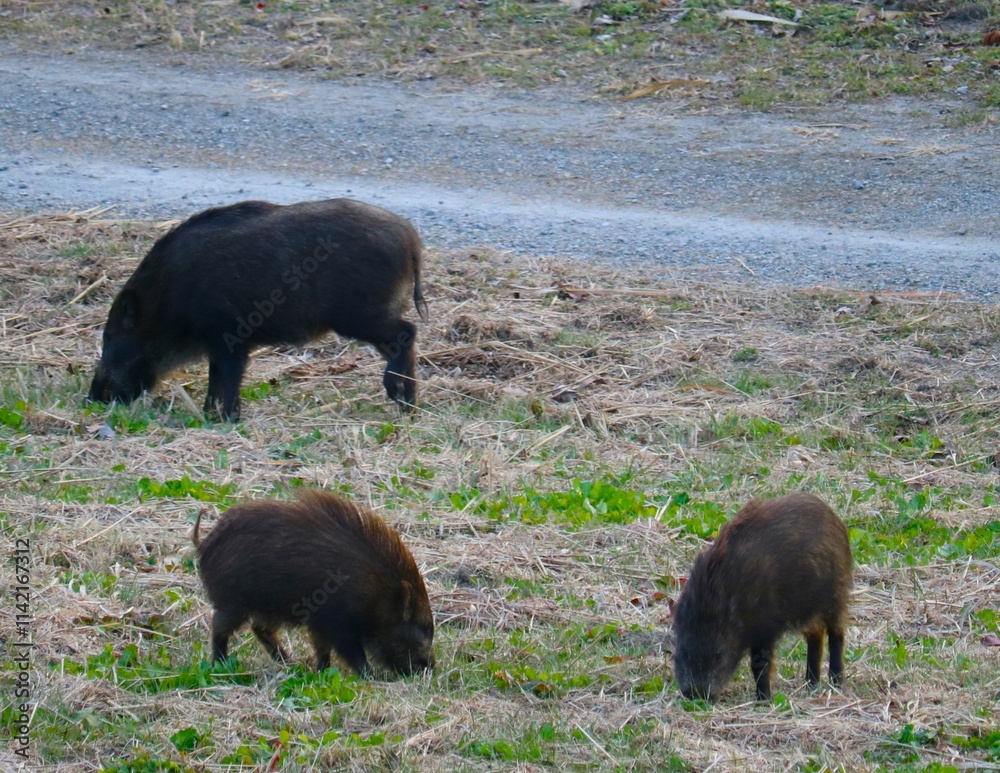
(881, 196)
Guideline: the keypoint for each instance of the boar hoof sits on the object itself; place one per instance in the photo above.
(214, 411)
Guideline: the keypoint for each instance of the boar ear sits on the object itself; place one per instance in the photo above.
(128, 310)
(407, 597)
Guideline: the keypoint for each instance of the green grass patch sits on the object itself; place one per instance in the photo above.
(259, 391)
(987, 742)
(744, 427)
(905, 532)
(702, 518)
(89, 582)
(540, 683)
(12, 416)
(308, 689)
(585, 503)
(154, 670)
(184, 487)
(533, 746)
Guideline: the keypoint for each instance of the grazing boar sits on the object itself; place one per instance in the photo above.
(322, 563)
(779, 565)
(232, 279)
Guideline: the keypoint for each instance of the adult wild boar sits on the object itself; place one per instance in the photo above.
(232, 279)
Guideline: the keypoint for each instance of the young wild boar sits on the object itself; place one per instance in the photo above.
(322, 563)
(780, 565)
(232, 279)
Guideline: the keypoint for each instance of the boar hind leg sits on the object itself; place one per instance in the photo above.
(268, 636)
(225, 372)
(814, 653)
(399, 380)
(224, 625)
(836, 635)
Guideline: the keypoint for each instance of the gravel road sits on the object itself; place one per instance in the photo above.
(866, 197)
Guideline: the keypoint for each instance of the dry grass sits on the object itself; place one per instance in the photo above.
(682, 51)
(551, 636)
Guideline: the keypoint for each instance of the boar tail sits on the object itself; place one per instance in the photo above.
(418, 293)
(194, 535)
(418, 300)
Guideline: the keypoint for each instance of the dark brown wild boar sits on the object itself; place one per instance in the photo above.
(779, 565)
(232, 279)
(322, 563)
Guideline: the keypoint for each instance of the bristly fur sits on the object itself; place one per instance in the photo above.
(374, 541)
(779, 565)
(324, 563)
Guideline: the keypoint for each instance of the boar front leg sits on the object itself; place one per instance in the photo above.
(225, 372)
(762, 664)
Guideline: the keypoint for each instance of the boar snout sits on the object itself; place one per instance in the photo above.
(108, 386)
(417, 664)
(100, 391)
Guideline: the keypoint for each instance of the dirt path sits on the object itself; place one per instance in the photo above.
(865, 197)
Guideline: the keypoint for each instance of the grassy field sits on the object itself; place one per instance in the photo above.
(839, 51)
(581, 435)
